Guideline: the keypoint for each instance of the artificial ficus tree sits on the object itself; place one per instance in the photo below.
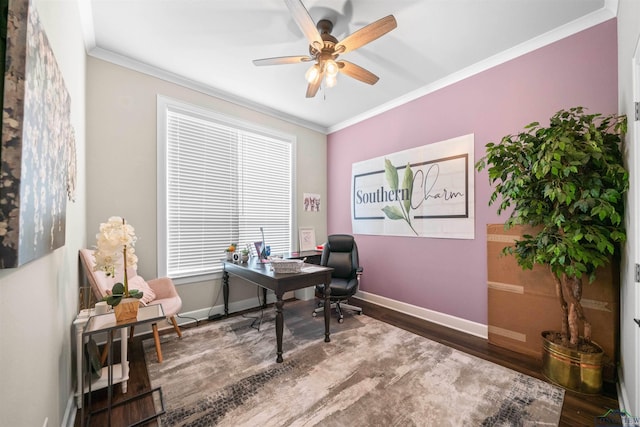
(567, 181)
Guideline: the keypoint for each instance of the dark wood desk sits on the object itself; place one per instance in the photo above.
(262, 275)
(312, 257)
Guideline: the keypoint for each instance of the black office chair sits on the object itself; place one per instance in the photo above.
(340, 253)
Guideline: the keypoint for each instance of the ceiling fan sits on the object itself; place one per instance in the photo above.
(324, 49)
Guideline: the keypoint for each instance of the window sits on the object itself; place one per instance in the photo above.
(219, 181)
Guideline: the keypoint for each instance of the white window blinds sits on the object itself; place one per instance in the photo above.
(223, 182)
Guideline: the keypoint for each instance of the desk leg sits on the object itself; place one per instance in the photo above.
(279, 326)
(327, 311)
(225, 291)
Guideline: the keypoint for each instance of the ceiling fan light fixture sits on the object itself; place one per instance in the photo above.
(331, 68)
(330, 80)
(313, 73)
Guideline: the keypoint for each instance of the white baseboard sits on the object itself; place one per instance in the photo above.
(246, 304)
(463, 325)
(623, 398)
(70, 411)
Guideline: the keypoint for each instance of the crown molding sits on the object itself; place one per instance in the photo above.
(150, 70)
(612, 6)
(86, 23)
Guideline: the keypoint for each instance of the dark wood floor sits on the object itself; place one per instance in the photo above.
(578, 409)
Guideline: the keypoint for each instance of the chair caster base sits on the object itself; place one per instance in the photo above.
(339, 307)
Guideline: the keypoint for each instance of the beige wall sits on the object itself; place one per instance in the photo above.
(38, 301)
(121, 163)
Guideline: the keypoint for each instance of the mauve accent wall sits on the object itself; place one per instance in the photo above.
(450, 276)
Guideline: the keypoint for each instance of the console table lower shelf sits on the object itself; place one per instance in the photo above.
(112, 373)
(143, 421)
(120, 370)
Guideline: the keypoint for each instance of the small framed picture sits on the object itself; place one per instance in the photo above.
(311, 202)
(307, 238)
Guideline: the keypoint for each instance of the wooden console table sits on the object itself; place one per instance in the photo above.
(262, 275)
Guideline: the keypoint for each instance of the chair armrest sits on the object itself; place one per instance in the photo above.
(163, 287)
(359, 272)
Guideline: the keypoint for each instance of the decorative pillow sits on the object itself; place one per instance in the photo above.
(137, 282)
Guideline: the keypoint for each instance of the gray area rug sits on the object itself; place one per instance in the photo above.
(370, 374)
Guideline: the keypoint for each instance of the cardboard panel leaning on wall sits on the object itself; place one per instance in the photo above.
(523, 303)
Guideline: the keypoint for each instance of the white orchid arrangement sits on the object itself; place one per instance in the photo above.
(114, 247)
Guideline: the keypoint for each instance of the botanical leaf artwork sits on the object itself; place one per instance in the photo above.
(402, 211)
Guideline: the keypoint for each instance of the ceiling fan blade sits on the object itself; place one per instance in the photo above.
(282, 60)
(313, 87)
(367, 34)
(305, 22)
(357, 72)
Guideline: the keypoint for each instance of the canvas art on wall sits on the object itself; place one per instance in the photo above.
(425, 191)
(38, 147)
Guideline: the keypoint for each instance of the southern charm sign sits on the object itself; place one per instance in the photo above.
(425, 192)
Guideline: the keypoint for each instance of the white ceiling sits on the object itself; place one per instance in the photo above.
(209, 45)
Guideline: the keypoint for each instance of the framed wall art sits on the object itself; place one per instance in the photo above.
(307, 237)
(311, 202)
(425, 191)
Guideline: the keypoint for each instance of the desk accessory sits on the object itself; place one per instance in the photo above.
(287, 265)
(307, 236)
(263, 247)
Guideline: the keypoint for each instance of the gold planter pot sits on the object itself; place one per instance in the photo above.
(572, 369)
(127, 310)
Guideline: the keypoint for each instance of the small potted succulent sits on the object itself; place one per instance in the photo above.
(230, 250)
